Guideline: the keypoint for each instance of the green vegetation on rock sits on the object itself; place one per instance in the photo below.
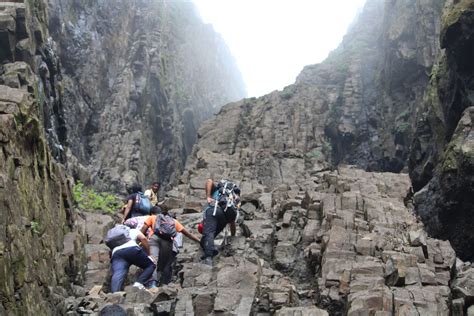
(35, 227)
(452, 16)
(402, 127)
(287, 93)
(88, 199)
(315, 153)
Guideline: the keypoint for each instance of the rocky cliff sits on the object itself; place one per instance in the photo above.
(144, 74)
(41, 241)
(373, 83)
(442, 157)
(362, 106)
(320, 237)
(138, 79)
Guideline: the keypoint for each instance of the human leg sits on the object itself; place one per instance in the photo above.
(209, 233)
(154, 251)
(138, 257)
(120, 267)
(165, 261)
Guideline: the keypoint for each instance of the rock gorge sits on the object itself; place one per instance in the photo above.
(138, 78)
(356, 180)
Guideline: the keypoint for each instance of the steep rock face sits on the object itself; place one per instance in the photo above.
(356, 107)
(353, 233)
(40, 236)
(442, 159)
(140, 76)
(380, 72)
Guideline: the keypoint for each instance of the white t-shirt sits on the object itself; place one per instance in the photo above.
(131, 243)
(141, 221)
(178, 242)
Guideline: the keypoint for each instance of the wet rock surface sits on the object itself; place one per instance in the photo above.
(139, 77)
(41, 237)
(442, 160)
(371, 85)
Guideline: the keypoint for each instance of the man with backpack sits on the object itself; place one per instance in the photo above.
(137, 203)
(164, 242)
(223, 203)
(122, 240)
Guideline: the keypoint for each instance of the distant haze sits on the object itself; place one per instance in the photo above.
(272, 40)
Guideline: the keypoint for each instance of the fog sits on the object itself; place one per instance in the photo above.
(272, 40)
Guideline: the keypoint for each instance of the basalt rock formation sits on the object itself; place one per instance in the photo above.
(164, 80)
(345, 242)
(327, 229)
(41, 243)
(139, 77)
(372, 84)
(442, 157)
(279, 147)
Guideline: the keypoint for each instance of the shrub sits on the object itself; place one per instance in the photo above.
(35, 227)
(89, 200)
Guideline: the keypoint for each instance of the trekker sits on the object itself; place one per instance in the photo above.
(223, 202)
(137, 203)
(163, 243)
(152, 193)
(128, 253)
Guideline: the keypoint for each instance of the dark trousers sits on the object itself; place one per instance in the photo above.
(166, 259)
(121, 262)
(213, 225)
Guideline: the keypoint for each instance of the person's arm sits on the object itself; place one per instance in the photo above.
(232, 228)
(144, 242)
(128, 208)
(144, 228)
(209, 186)
(190, 236)
(122, 209)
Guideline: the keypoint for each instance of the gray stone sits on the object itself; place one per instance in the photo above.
(301, 311)
(470, 310)
(97, 227)
(417, 238)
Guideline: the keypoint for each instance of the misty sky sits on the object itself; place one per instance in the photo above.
(272, 40)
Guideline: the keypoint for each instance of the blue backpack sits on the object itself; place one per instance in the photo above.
(142, 204)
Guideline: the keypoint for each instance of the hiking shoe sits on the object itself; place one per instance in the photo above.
(207, 261)
(153, 285)
(139, 286)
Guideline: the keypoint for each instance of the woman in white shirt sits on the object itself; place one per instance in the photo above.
(129, 253)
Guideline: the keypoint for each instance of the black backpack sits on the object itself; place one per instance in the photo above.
(165, 227)
(227, 196)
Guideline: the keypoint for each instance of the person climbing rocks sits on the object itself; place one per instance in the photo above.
(137, 203)
(164, 244)
(128, 253)
(223, 202)
(152, 193)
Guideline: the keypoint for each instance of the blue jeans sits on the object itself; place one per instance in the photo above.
(121, 262)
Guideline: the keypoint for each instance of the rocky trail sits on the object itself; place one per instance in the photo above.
(350, 235)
